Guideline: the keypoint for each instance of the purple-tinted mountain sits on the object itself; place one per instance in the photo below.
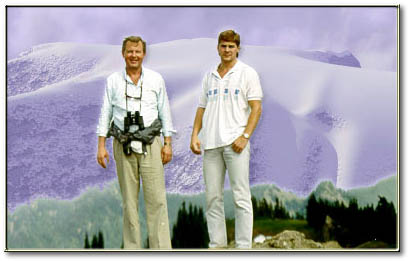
(43, 65)
(316, 124)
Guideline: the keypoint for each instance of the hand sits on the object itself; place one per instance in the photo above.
(239, 144)
(102, 154)
(195, 145)
(166, 154)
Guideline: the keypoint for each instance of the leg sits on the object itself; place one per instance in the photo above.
(214, 177)
(127, 171)
(154, 189)
(238, 171)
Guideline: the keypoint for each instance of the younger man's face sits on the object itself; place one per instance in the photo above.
(228, 51)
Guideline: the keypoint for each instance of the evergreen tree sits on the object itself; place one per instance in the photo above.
(190, 230)
(352, 225)
(86, 241)
(314, 213)
(254, 207)
(94, 243)
(279, 211)
(387, 217)
(100, 240)
(97, 241)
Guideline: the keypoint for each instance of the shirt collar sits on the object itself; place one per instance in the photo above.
(235, 68)
(127, 78)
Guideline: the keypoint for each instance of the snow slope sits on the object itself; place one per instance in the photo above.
(320, 121)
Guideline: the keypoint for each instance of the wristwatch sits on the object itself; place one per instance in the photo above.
(246, 135)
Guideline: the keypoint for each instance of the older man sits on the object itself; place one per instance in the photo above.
(228, 112)
(135, 111)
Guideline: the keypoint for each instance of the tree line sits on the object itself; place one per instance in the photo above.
(190, 229)
(352, 225)
(263, 209)
(97, 241)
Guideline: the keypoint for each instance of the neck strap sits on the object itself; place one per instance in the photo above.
(141, 91)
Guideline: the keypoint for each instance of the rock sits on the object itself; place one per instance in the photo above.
(294, 240)
(259, 239)
(331, 245)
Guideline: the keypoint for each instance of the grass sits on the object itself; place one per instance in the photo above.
(375, 244)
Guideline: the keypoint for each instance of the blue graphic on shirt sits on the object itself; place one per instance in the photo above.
(225, 94)
(209, 93)
(236, 94)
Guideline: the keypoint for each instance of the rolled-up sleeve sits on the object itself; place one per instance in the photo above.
(106, 111)
(202, 102)
(254, 89)
(164, 110)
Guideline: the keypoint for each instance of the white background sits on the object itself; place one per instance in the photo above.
(200, 255)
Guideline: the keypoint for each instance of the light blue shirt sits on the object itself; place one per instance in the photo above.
(154, 102)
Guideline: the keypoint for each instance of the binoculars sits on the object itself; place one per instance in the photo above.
(133, 119)
(129, 120)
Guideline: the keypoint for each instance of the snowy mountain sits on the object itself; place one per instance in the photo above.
(320, 121)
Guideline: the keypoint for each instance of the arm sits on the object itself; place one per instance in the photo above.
(165, 117)
(195, 144)
(102, 152)
(166, 152)
(103, 126)
(256, 109)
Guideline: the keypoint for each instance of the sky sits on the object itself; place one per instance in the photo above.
(370, 33)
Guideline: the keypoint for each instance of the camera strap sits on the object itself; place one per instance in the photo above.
(141, 92)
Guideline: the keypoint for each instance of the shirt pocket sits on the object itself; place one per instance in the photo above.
(150, 98)
(119, 100)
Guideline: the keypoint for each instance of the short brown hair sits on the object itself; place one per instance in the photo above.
(134, 39)
(229, 36)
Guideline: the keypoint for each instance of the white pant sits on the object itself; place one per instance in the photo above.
(216, 161)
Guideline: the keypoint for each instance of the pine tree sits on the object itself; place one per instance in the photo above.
(94, 243)
(387, 217)
(97, 241)
(190, 230)
(86, 241)
(312, 210)
(100, 240)
(255, 207)
(279, 211)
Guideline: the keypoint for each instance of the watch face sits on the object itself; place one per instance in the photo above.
(246, 135)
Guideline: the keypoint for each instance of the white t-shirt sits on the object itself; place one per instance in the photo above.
(226, 104)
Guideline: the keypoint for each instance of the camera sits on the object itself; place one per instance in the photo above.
(133, 119)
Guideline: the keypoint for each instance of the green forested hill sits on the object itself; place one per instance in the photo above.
(61, 224)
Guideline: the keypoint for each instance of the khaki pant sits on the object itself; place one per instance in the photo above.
(150, 168)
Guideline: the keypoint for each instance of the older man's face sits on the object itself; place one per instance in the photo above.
(133, 54)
